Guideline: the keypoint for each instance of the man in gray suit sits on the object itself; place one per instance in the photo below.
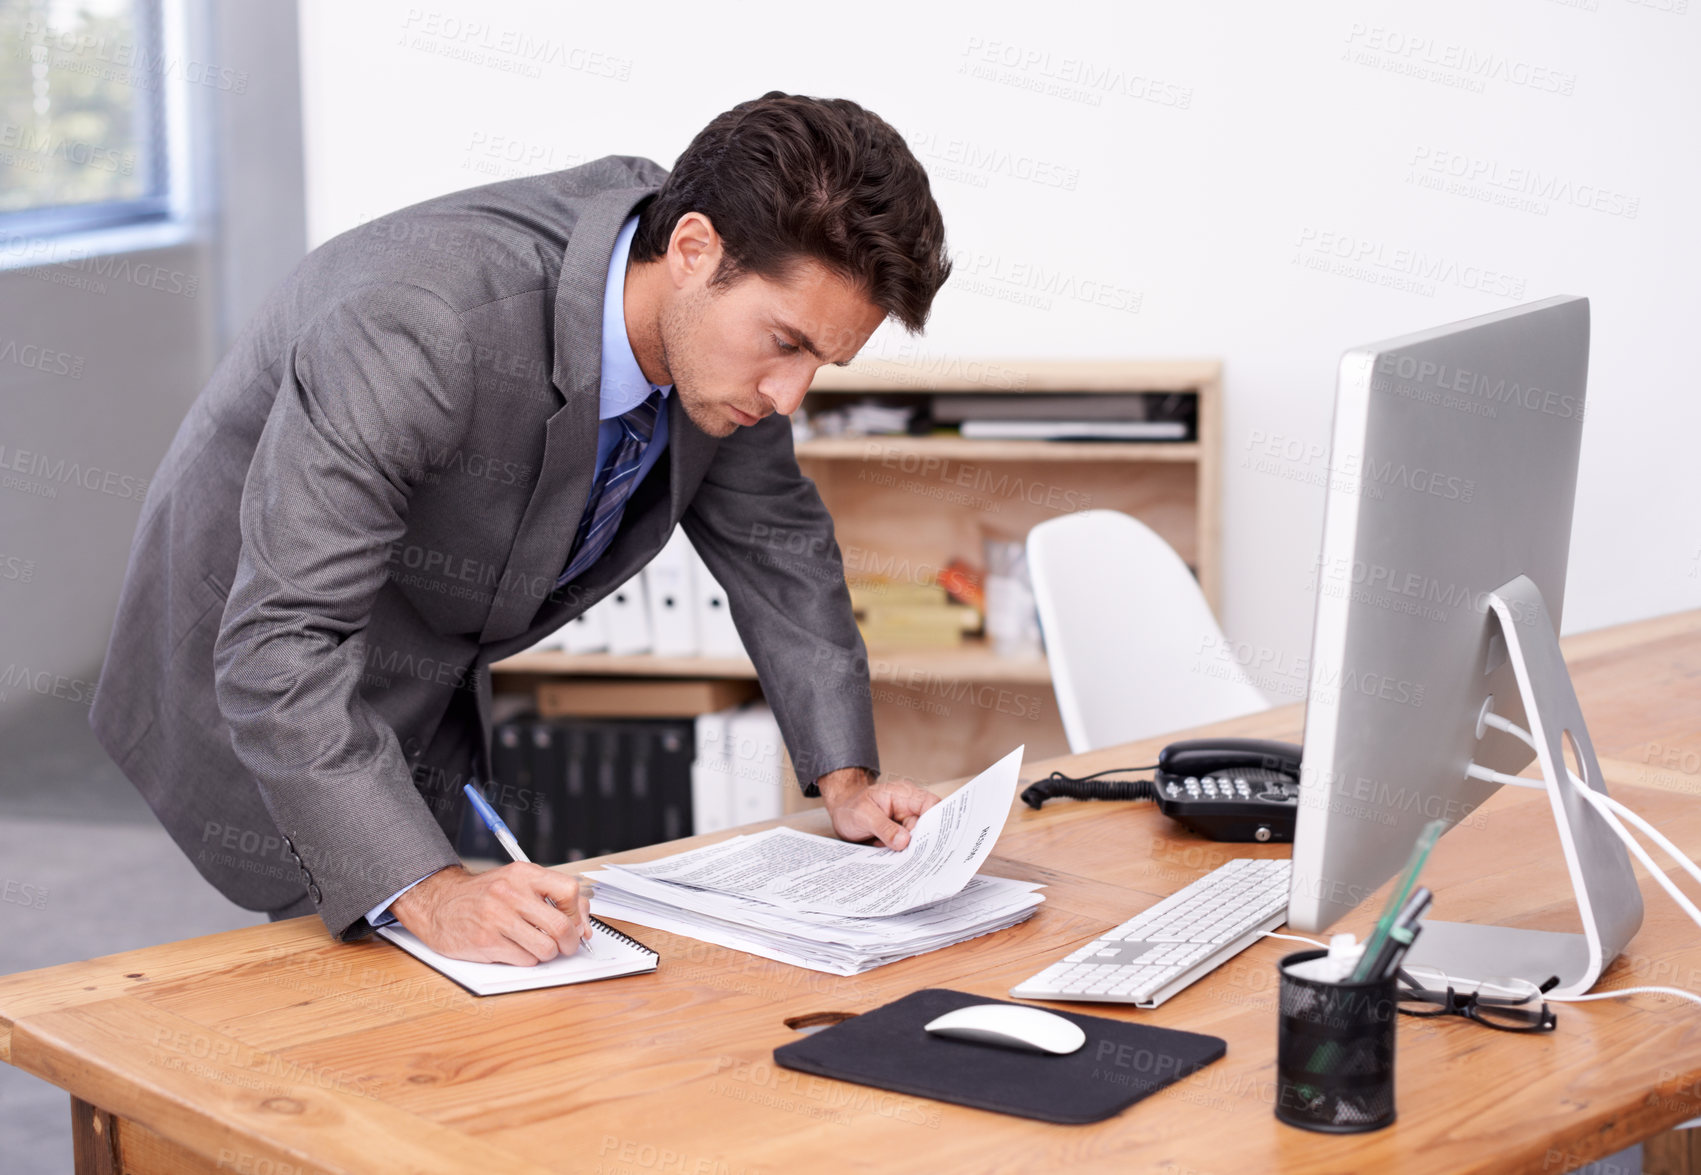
(452, 430)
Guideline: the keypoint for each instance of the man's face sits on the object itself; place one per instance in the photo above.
(740, 352)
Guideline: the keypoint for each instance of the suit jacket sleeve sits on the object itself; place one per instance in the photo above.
(762, 529)
(368, 386)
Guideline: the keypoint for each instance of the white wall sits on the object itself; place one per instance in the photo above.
(1231, 142)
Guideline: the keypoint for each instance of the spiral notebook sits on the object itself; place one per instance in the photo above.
(615, 955)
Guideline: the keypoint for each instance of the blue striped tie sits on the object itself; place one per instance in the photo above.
(615, 482)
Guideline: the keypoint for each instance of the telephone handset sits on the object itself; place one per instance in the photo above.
(1229, 789)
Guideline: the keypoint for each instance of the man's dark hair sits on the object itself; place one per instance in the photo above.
(784, 177)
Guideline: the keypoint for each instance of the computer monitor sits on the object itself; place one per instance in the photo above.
(1439, 583)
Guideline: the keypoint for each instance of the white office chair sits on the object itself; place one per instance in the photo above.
(1133, 647)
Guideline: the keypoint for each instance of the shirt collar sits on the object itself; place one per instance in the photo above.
(623, 384)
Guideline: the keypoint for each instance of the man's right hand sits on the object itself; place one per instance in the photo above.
(498, 916)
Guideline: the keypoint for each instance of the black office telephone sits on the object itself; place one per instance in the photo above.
(1229, 789)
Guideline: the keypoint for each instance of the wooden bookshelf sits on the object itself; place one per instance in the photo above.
(974, 660)
(877, 448)
(1172, 486)
(905, 506)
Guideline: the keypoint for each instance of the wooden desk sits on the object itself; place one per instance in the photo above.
(273, 1051)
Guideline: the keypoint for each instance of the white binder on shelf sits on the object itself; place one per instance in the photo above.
(758, 764)
(628, 619)
(587, 632)
(717, 636)
(670, 593)
(711, 774)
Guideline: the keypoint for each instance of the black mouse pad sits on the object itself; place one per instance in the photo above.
(888, 1048)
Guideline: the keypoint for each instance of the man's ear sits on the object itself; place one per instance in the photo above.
(693, 251)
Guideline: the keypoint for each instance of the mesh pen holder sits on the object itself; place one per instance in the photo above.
(1334, 1052)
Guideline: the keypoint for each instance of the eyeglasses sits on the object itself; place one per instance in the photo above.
(1511, 1005)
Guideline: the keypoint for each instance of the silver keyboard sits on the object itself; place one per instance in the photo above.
(1161, 950)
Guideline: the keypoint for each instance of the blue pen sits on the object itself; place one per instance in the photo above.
(506, 838)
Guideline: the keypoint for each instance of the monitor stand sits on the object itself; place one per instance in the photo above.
(1608, 898)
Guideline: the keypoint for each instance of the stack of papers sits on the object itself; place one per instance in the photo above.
(816, 902)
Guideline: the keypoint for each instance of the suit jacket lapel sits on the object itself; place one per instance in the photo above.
(570, 435)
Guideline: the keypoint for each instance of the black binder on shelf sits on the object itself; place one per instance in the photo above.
(672, 749)
(510, 788)
(609, 783)
(578, 817)
(507, 755)
(656, 800)
(571, 788)
(548, 791)
(639, 803)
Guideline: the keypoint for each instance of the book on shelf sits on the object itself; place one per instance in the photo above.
(1074, 430)
(954, 408)
(918, 626)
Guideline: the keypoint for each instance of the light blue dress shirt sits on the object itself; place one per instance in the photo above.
(623, 387)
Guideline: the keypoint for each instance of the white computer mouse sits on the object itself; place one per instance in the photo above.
(1010, 1026)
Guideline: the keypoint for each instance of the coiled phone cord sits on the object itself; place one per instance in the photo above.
(1091, 787)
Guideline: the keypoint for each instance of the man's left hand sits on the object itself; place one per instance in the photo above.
(863, 808)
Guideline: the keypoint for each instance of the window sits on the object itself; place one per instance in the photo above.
(82, 115)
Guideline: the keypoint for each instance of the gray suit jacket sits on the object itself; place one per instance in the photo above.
(371, 501)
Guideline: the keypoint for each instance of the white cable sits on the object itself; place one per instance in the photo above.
(1607, 995)
(1652, 833)
(1296, 937)
(1635, 846)
(1608, 809)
